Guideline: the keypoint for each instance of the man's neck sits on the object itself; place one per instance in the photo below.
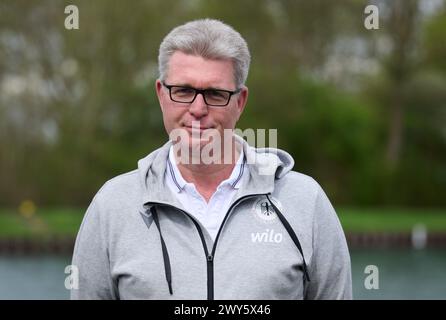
(207, 177)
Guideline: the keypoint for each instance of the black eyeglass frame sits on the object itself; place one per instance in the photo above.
(202, 92)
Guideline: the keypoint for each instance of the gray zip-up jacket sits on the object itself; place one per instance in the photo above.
(280, 239)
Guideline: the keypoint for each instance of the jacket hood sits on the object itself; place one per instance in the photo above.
(264, 166)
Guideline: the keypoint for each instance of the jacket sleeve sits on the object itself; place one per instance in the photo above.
(330, 267)
(91, 258)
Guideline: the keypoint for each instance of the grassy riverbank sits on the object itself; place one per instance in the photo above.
(391, 219)
(65, 222)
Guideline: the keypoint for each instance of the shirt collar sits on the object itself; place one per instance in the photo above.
(233, 180)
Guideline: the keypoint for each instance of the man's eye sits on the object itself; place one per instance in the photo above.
(216, 94)
(183, 91)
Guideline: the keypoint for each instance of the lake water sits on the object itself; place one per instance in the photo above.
(402, 274)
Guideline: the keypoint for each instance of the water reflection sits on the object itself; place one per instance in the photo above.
(33, 277)
(403, 274)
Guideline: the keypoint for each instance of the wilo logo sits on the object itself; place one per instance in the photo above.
(267, 236)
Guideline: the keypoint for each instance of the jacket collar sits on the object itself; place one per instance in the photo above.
(263, 166)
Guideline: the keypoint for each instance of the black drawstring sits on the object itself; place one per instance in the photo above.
(293, 236)
(167, 268)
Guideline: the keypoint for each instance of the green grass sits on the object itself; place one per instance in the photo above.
(49, 222)
(391, 219)
(46, 222)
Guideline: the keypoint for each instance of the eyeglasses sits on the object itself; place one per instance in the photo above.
(212, 97)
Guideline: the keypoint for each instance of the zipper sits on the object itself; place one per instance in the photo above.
(210, 256)
(210, 269)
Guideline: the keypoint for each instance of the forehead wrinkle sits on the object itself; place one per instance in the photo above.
(208, 74)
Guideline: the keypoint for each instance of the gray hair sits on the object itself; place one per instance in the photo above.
(210, 39)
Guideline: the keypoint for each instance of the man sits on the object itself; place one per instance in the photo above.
(184, 227)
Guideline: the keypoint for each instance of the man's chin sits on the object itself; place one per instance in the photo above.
(197, 143)
(193, 150)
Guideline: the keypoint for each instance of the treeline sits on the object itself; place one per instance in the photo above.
(362, 111)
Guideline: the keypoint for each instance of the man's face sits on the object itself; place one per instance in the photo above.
(197, 72)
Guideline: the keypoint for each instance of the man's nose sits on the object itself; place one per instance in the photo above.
(198, 108)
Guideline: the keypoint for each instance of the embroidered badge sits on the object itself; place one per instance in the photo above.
(264, 211)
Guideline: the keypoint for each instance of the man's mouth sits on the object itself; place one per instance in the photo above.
(197, 127)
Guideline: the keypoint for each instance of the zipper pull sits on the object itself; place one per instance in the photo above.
(210, 258)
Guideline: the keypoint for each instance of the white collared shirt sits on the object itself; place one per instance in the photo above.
(209, 214)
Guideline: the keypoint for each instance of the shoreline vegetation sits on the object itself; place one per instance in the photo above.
(53, 230)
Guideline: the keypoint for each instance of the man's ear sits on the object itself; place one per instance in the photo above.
(159, 92)
(242, 99)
